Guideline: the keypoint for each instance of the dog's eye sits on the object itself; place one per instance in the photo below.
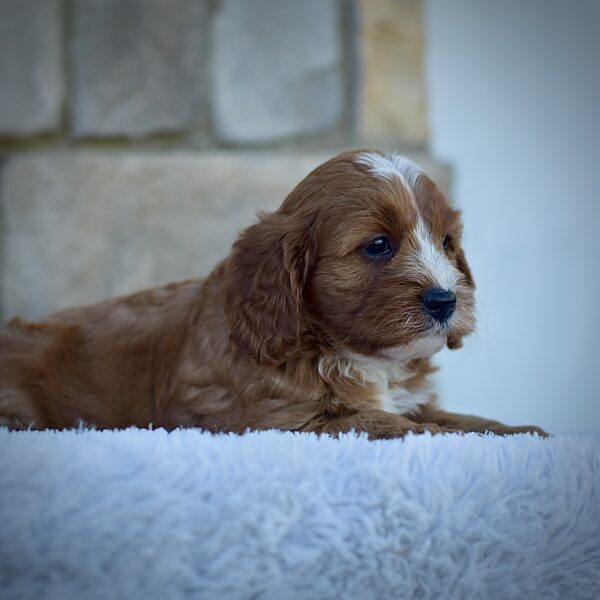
(446, 241)
(380, 246)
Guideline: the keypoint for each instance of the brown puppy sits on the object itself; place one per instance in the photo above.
(323, 318)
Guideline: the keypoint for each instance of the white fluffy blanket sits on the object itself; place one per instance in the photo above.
(146, 514)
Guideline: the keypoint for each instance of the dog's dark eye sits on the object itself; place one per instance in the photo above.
(446, 241)
(380, 246)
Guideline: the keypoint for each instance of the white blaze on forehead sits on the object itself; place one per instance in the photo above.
(392, 167)
(428, 259)
(432, 260)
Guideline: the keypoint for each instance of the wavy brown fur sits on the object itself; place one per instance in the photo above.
(268, 339)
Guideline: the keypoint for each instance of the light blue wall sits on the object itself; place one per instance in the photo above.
(514, 106)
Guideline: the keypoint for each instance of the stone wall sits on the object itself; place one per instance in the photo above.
(197, 73)
(138, 136)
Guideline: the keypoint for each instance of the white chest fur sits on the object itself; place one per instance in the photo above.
(391, 379)
(396, 387)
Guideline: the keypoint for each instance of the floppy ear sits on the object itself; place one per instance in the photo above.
(463, 266)
(456, 341)
(267, 272)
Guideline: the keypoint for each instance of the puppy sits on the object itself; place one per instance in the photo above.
(322, 318)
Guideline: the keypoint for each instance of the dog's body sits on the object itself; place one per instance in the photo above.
(323, 318)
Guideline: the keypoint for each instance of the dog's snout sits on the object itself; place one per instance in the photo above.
(439, 303)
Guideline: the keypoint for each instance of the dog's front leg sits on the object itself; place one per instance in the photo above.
(470, 423)
(377, 424)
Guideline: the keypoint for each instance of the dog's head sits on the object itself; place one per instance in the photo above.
(364, 255)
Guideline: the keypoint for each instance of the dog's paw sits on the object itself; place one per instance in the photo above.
(435, 429)
(508, 430)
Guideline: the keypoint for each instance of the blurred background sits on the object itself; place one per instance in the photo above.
(138, 136)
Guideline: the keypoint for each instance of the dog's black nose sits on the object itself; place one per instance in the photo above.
(439, 303)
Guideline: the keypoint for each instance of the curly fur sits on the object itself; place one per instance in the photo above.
(298, 329)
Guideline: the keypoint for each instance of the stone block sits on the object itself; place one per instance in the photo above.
(83, 226)
(276, 69)
(392, 89)
(138, 66)
(31, 72)
(79, 227)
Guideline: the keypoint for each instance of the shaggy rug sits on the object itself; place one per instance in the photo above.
(150, 514)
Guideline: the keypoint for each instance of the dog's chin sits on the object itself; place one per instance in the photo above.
(421, 347)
